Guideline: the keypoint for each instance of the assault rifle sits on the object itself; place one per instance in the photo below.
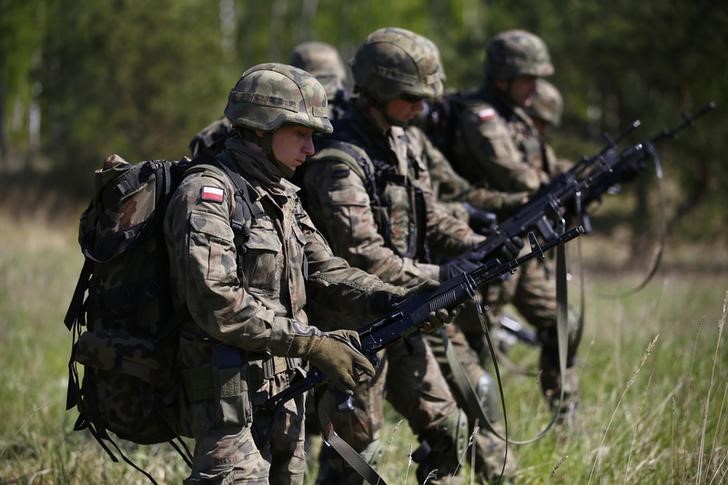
(586, 181)
(412, 313)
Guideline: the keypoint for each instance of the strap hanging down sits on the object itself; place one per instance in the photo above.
(465, 386)
(344, 449)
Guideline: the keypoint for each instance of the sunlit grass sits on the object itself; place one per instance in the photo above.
(654, 384)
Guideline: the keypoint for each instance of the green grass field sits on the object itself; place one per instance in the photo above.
(654, 370)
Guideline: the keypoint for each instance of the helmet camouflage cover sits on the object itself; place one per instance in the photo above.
(323, 62)
(268, 96)
(517, 53)
(546, 103)
(394, 61)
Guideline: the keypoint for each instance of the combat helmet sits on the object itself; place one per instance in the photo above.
(394, 61)
(546, 103)
(517, 53)
(270, 95)
(323, 62)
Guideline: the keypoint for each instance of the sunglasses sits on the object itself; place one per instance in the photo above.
(410, 98)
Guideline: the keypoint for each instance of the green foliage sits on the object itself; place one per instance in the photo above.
(140, 78)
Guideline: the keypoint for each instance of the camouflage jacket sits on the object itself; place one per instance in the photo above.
(497, 143)
(260, 305)
(370, 194)
(452, 190)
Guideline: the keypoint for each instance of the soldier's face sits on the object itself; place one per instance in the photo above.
(292, 144)
(405, 109)
(522, 89)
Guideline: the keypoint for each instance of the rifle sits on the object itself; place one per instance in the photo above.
(412, 313)
(583, 183)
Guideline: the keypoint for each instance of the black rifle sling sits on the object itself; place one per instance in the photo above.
(465, 387)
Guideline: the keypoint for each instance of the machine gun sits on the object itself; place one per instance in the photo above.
(412, 313)
(585, 182)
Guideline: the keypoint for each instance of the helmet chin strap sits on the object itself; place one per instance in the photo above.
(266, 143)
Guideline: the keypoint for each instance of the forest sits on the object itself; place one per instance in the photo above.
(80, 80)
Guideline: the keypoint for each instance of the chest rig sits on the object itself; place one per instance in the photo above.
(397, 202)
(524, 135)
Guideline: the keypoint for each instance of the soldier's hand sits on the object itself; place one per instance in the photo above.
(383, 301)
(464, 263)
(437, 318)
(511, 248)
(481, 221)
(337, 355)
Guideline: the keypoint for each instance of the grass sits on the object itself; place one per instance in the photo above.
(654, 374)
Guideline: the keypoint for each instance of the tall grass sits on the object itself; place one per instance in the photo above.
(654, 384)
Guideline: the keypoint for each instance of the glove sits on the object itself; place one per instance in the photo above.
(481, 221)
(337, 355)
(383, 301)
(462, 264)
(510, 249)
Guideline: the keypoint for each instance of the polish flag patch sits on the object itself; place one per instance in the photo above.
(212, 194)
(486, 114)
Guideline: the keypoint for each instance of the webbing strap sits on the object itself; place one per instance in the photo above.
(662, 236)
(462, 382)
(344, 449)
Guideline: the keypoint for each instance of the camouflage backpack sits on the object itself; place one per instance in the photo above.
(122, 298)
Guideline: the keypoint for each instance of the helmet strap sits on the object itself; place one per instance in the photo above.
(266, 144)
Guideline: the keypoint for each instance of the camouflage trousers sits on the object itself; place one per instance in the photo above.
(532, 291)
(490, 451)
(410, 378)
(251, 453)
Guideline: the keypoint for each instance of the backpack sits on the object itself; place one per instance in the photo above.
(123, 299)
(440, 122)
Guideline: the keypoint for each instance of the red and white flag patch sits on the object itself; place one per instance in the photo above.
(486, 114)
(212, 194)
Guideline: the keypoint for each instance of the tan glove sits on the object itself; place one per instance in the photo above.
(337, 355)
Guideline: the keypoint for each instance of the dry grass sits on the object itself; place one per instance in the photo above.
(653, 410)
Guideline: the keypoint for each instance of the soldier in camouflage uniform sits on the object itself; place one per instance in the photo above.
(497, 142)
(241, 292)
(317, 58)
(368, 189)
(545, 111)
(323, 61)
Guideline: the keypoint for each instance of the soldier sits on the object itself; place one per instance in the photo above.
(317, 58)
(323, 62)
(240, 292)
(369, 191)
(545, 111)
(497, 142)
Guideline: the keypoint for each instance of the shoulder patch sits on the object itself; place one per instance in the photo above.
(212, 194)
(486, 114)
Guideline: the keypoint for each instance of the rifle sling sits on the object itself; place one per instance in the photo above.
(464, 385)
(344, 449)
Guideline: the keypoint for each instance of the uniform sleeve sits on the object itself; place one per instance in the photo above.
(200, 241)
(452, 190)
(339, 205)
(491, 145)
(344, 292)
(447, 235)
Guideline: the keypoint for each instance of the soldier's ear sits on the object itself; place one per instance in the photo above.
(259, 133)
